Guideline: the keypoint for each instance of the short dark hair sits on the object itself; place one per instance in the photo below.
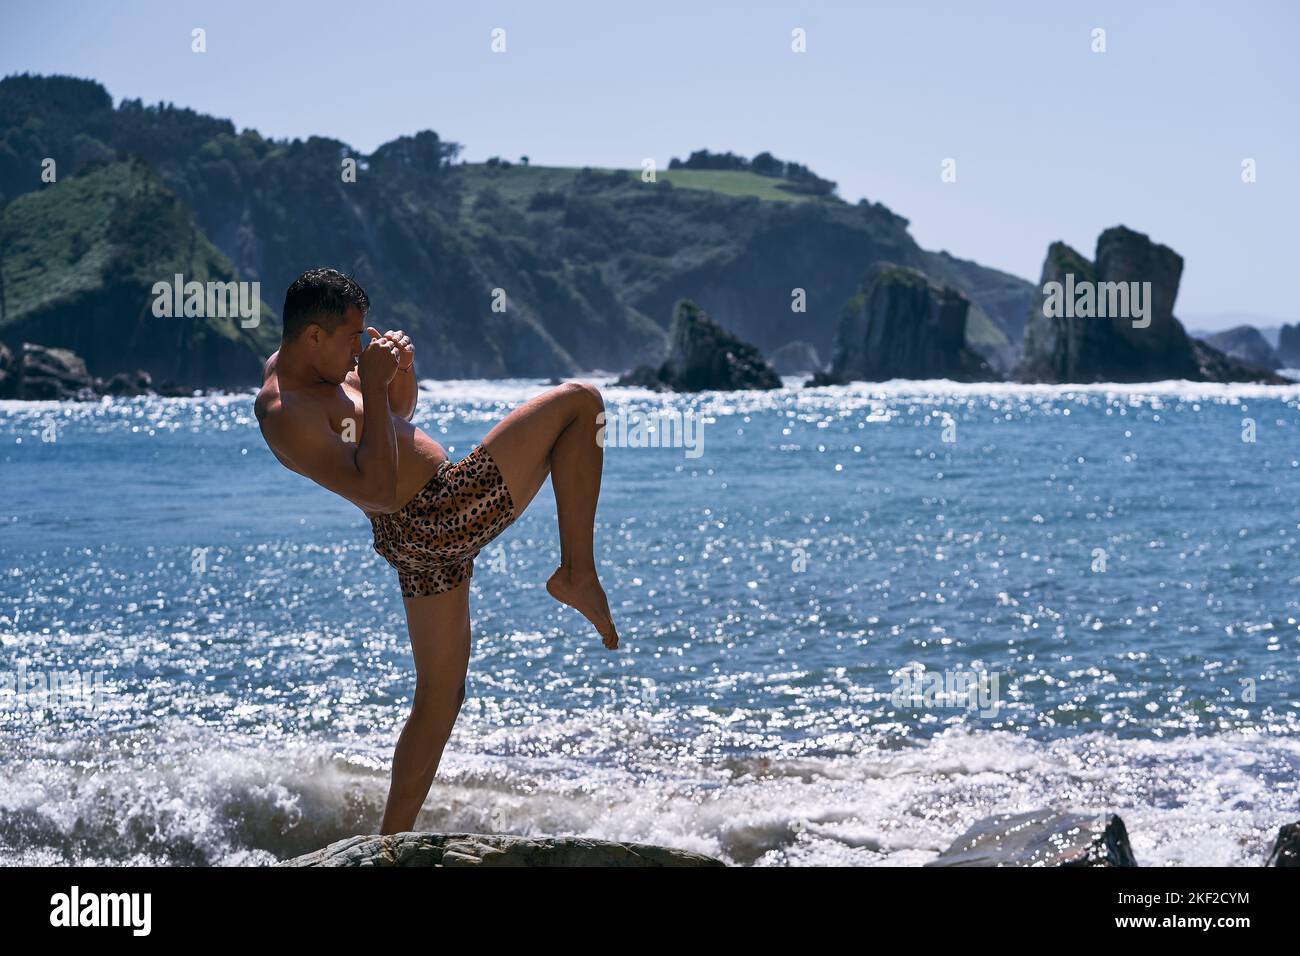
(320, 296)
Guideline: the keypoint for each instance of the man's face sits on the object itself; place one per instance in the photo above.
(338, 351)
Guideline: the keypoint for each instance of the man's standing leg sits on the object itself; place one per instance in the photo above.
(439, 629)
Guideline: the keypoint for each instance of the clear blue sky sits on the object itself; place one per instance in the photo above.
(1052, 141)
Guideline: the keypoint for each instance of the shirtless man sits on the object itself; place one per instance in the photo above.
(430, 517)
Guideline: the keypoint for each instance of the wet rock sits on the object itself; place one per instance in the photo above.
(170, 389)
(57, 374)
(1286, 850)
(1041, 838)
(42, 373)
(824, 378)
(644, 376)
(129, 384)
(493, 849)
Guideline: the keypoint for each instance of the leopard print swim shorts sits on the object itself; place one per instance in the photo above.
(433, 540)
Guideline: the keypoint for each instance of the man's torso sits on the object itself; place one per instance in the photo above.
(418, 455)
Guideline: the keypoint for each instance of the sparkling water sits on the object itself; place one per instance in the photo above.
(1113, 568)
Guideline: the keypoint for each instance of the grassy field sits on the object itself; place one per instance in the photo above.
(519, 183)
(736, 183)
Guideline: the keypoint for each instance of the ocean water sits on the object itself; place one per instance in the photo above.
(1116, 565)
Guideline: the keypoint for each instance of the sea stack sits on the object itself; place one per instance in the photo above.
(702, 355)
(900, 325)
(1112, 319)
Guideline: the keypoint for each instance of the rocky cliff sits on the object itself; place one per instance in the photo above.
(80, 262)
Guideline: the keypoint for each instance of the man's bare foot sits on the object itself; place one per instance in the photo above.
(583, 593)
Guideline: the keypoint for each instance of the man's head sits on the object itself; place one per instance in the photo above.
(324, 313)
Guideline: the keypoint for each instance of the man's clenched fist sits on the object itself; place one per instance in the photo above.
(379, 362)
(403, 342)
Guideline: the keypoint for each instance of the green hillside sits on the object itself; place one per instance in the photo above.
(79, 261)
(590, 261)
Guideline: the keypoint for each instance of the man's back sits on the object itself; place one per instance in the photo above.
(268, 403)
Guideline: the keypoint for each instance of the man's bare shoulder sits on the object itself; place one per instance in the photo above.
(277, 411)
(267, 406)
(285, 417)
(268, 396)
(275, 421)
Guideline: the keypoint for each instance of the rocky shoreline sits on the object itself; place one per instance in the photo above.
(1044, 837)
(38, 373)
(493, 849)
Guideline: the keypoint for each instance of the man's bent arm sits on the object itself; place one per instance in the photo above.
(312, 448)
(377, 454)
(402, 392)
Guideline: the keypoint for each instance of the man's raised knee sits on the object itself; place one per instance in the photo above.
(597, 399)
(588, 393)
